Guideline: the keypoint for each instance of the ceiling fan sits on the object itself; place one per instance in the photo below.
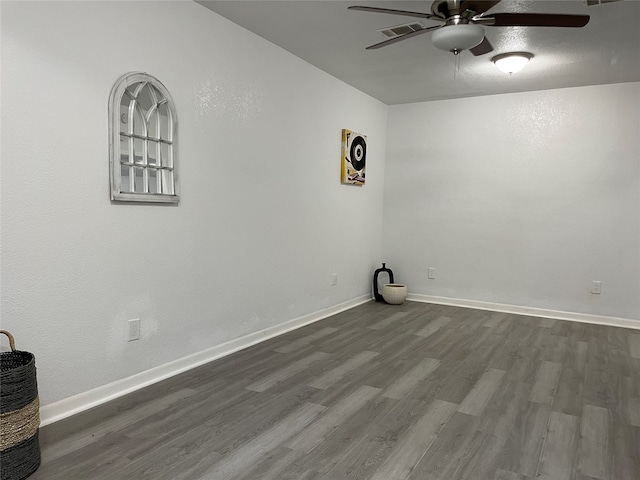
(462, 22)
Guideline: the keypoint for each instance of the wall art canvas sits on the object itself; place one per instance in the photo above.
(354, 157)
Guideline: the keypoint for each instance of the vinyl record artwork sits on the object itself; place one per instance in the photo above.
(354, 157)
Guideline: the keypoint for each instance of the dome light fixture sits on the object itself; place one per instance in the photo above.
(512, 62)
(455, 38)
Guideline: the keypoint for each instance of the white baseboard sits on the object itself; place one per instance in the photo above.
(534, 312)
(84, 401)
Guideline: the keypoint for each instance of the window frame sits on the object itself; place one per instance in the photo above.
(115, 98)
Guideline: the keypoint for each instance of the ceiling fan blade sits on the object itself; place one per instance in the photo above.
(393, 12)
(536, 20)
(402, 37)
(482, 48)
(478, 6)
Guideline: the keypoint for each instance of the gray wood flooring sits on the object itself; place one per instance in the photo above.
(382, 392)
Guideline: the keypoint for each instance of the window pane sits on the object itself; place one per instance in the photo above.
(138, 148)
(145, 100)
(139, 124)
(167, 182)
(166, 160)
(159, 96)
(152, 152)
(131, 90)
(139, 186)
(165, 122)
(125, 182)
(154, 125)
(125, 126)
(154, 180)
(124, 149)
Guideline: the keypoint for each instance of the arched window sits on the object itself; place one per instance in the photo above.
(143, 134)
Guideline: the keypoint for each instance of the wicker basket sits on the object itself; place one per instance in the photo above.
(19, 414)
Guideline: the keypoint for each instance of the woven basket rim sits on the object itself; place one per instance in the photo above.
(8, 360)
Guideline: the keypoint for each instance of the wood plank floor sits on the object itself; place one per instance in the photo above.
(415, 392)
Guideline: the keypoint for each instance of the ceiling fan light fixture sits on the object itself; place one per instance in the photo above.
(511, 62)
(455, 38)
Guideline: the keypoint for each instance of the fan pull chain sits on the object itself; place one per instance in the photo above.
(456, 66)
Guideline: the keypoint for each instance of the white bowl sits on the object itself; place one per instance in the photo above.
(394, 293)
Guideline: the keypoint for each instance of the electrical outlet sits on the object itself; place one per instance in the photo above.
(134, 329)
(596, 287)
(431, 273)
(334, 279)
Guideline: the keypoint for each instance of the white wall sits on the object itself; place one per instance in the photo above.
(263, 221)
(519, 199)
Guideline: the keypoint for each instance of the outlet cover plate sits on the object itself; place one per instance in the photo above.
(134, 330)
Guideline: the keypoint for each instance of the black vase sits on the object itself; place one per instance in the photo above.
(377, 295)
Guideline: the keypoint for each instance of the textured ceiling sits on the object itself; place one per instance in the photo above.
(327, 35)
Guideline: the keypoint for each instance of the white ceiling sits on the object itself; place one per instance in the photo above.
(327, 35)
